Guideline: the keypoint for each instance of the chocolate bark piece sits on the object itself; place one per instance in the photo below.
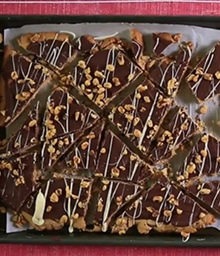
(65, 115)
(176, 129)
(167, 72)
(202, 160)
(104, 74)
(54, 48)
(162, 40)
(62, 201)
(166, 209)
(199, 174)
(65, 121)
(140, 114)
(204, 79)
(116, 161)
(26, 138)
(112, 196)
(83, 154)
(18, 179)
(21, 79)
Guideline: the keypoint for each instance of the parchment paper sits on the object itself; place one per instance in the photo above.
(203, 39)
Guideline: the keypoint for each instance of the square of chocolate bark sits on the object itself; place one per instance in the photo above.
(204, 80)
(21, 80)
(140, 114)
(164, 208)
(55, 48)
(116, 161)
(18, 180)
(62, 201)
(112, 196)
(26, 138)
(177, 128)
(167, 72)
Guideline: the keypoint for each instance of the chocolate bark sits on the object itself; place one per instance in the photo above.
(140, 114)
(165, 209)
(61, 201)
(18, 180)
(21, 80)
(204, 79)
(174, 131)
(26, 138)
(167, 72)
(112, 196)
(54, 48)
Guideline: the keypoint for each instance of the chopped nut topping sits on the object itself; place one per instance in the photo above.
(150, 209)
(179, 211)
(203, 153)
(32, 123)
(193, 78)
(75, 216)
(81, 205)
(99, 74)
(110, 67)
(37, 66)
(116, 81)
(76, 161)
(199, 71)
(84, 145)
(137, 133)
(121, 110)
(120, 59)
(49, 208)
(172, 83)
(136, 121)
(133, 157)
(203, 109)
(205, 191)
(107, 85)
(14, 75)
(217, 75)
(58, 191)
(138, 95)
(205, 138)
(84, 184)
(81, 64)
(142, 88)
(125, 152)
(191, 167)
(115, 172)
(54, 198)
(167, 213)
(105, 181)
(95, 81)
(208, 76)
(63, 219)
(202, 215)
(157, 199)
(130, 77)
(103, 151)
(100, 206)
(122, 168)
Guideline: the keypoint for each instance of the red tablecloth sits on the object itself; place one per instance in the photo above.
(102, 7)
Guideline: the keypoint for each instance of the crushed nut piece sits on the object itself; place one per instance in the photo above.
(54, 198)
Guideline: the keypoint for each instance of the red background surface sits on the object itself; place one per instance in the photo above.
(167, 8)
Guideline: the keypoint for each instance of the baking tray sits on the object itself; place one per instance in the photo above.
(206, 238)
